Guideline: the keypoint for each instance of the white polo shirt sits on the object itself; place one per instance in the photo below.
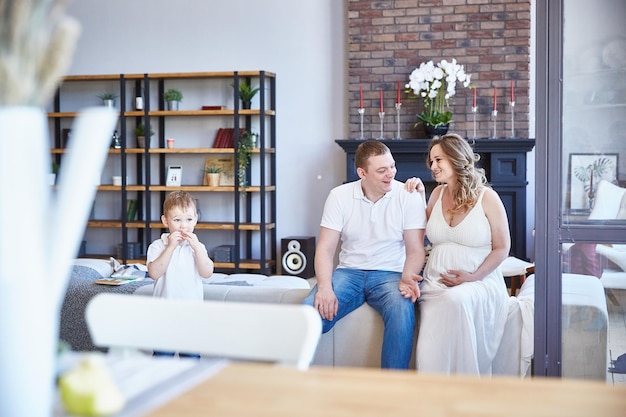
(371, 233)
(181, 279)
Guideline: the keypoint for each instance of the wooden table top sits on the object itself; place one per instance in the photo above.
(247, 389)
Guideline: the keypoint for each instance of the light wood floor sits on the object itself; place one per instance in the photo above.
(616, 304)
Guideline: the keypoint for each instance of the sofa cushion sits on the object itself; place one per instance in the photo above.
(621, 214)
(584, 319)
(258, 280)
(616, 254)
(102, 266)
(607, 201)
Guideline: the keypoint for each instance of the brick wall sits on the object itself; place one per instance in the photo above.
(390, 38)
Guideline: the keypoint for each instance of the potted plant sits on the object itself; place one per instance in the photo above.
(244, 149)
(212, 175)
(52, 178)
(436, 85)
(108, 99)
(172, 98)
(246, 94)
(140, 134)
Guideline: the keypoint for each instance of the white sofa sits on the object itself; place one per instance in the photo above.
(356, 340)
(585, 321)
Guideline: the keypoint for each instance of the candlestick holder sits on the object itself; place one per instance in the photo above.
(494, 118)
(361, 113)
(398, 108)
(512, 106)
(381, 115)
(474, 111)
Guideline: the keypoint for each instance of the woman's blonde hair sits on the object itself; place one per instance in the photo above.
(469, 178)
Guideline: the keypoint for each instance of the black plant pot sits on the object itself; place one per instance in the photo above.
(245, 104)
(432, 131)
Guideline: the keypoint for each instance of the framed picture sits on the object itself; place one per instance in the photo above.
(586, 171)
(226, 164)
(174, 176)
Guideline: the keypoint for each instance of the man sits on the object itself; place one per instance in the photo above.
(381, 227)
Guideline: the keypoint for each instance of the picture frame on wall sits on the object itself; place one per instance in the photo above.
(226, 164)
(586, 170)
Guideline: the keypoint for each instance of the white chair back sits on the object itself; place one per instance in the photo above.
(287, 334)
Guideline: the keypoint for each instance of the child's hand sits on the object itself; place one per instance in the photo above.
(191, 238)
(175, 238)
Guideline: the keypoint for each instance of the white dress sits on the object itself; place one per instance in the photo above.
(460, 327)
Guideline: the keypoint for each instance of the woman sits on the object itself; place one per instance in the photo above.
(464, 301)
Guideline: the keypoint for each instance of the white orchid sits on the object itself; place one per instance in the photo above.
(436, 84)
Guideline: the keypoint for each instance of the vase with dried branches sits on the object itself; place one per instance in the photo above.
(37, 41)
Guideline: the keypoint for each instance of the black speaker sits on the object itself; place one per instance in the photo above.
(298, 256)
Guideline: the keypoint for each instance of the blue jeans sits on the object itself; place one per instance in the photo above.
(379, 289)
(172, 354)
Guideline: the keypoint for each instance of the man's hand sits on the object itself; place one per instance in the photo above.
(408, 286)
(326, 303)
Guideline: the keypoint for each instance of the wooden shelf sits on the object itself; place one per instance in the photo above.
(206, 188)
(200, 226)
(245, 264)
(218, 74)
(217, 151)
(227, 112)
(147, 166)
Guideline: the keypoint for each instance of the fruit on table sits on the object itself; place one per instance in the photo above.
(89, 390)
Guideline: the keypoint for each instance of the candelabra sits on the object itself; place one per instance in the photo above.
(512, 106)
(398, 107)
(494, 118)
(381, 115)
(474, 111)
(361, 113)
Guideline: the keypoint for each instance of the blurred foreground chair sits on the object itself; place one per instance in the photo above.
(281, 333)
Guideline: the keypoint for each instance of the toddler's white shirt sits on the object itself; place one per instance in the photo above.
(181, 279)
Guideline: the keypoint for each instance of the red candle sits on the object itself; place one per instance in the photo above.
(398, 100)
(495, 104)
(512, 92)
(474, 97)
(382, 108)
(360, 96)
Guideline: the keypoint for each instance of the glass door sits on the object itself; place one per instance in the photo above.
(580, 325)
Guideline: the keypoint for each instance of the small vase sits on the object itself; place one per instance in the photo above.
(141, 142)
(173, 105)
(432, 131)
(213, 179)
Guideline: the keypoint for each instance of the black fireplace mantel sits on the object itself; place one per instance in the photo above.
(504, 161)
(410, 154)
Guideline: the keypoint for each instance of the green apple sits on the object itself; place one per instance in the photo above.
(89, 390)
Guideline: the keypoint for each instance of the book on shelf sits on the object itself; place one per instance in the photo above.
(131, 210)
(213, 107)
(225, 137)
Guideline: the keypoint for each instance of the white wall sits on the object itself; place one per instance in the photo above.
(302, 41)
